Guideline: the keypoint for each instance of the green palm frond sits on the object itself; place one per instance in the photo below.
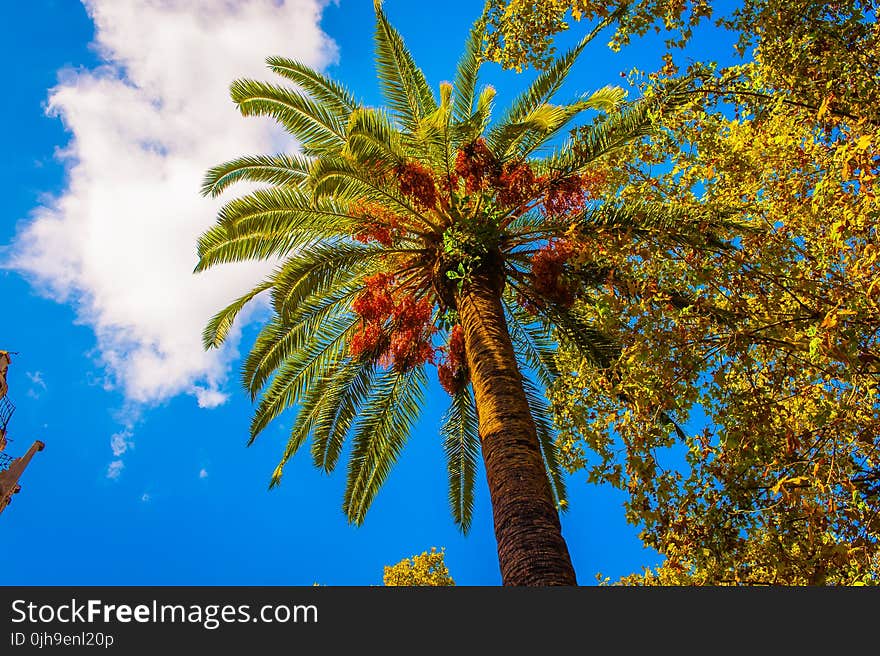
(475, 125)
(606, 99)
(288, 209)
(321, 271)
(547, 441)
(373, 140)
(351, 388)
(404, 85)
(433, 139)
(696, 226)
(533, 343)
(381, 432)
(537, 94)
(461, 442)
(218, 246)
(302, 370)
(596, 348)
(465, 82)
(271, 222)
(281, 338)
(220, 324)
(544, 122)
(540, 120)
(302, 425)
(336, 177)
(315, 126)
(279, 170)
(329, 93)
(634, 121)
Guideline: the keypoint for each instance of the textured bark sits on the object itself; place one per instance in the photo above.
(531, 549)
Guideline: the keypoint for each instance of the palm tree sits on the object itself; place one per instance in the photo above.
(425, 234)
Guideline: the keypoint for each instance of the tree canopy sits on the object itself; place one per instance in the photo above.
(425, 569)
(430, 233)
(768, 354)
(692, 276)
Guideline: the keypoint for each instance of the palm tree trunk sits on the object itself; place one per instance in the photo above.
(531, 549)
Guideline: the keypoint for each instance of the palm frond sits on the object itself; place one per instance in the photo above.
(606, 99)
(382, 429)
(533, 343)
(313, 124)
(326, 91)
(289, 207)
(465, 82)
(475, 125)
(547, 442)
(218, 246)
(220, 324)
(302, 426)
(595, 347)
(540, 120)
(404, 85)
(302, 370)
(271, 222)
(538, 93)
(280, 170)
(340, 178)
(373, 140)
(321, 271)
(281, 338)
(432, 139)
(351, 388)
(696, 226)
(634, 121)
(461, 442)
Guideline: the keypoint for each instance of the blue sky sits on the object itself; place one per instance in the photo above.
(116, 111)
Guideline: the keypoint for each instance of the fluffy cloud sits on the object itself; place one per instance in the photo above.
(120, 442)
(119, 241)
(114, 469)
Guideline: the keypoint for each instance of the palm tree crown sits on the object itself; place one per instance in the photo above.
(421, 234)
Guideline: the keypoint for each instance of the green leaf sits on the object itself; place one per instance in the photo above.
(381, 432)
(461, 442)
(218, 327)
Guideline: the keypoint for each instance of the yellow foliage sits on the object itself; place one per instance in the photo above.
(773, 347)
(425, 569)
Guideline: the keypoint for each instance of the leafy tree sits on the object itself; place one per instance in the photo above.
(813, 47)
(425, 569)
(774, 347)
(425, 234)
(521, 32)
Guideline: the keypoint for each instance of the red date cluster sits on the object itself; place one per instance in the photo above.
(453, 371)
(548, 273)
(379, 223)
(477, 166)
(513, 183)
(417, 183)
(396, 331)
(565, 195)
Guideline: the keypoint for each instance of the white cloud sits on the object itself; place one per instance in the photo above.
(36, 378)
(114, 470)
(203, 473)
(209, 398)
(39, 385)
(119, 241)
(120, 442)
